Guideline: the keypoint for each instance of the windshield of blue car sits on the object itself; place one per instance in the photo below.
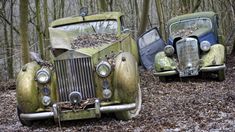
(91, 27)
(191, 26)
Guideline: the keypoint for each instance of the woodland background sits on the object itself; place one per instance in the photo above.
(24, 23)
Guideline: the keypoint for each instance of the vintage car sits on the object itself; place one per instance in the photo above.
(82, 81)
(193, 46)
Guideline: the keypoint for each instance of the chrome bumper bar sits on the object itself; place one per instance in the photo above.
(166, 73)
(98, 109)
(37, 116)
(213, 68)
(203, 69)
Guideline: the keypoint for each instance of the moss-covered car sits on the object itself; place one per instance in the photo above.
(82, 81)
(193, 46)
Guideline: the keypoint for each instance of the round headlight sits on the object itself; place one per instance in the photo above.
(103, 69)
(43, 75)
(169, 50)
(46, 100)
(205, 46)
(75, 97)
(107, 93)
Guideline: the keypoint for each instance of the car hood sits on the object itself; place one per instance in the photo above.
(62, 40)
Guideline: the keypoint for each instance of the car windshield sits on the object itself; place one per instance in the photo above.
(92, 27)
(188, 27)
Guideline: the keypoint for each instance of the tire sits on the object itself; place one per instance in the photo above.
(23, 122)
(163, 79)
(221, 75)
(127, 115)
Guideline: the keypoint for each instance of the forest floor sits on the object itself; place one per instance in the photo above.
(189, 104)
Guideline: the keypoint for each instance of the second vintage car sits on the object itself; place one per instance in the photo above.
(194, 45)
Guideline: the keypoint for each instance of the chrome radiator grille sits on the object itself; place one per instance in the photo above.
(188, 57)
(74, 75)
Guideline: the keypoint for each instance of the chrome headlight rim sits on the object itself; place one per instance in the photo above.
(205, 46)
(103, 64)
(169, 50)
(43, 72)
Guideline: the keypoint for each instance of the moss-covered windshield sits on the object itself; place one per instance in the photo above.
(190, 27)
(92, 27)
(64, 36)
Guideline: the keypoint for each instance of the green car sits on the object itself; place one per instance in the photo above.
(93, 69)
(193, 46)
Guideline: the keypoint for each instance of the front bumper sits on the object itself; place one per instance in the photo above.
(166, 73)
(202, 69)
(213, 68)
(57, 114)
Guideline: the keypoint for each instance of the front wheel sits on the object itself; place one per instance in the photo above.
(126, 115)
(23, 122)
(221, 75)
(163, 78)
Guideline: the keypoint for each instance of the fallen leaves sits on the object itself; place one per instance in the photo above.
(93, 40)
(188, 104)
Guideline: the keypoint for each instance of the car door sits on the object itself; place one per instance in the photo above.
(149, 44)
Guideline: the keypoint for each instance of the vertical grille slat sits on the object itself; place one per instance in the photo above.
(85, 78)
(74, 75)
(88, 74)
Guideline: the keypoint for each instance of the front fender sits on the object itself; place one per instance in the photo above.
(216, 56)
(134, 50)
(126, 77)
(163, 63)
(26, 88)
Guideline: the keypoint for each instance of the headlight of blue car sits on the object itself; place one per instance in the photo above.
(169, 50)
(205, 46)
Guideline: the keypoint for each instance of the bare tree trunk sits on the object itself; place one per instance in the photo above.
(103, 5)
(61, 9)
(232, 9)
(46, 42)
(10, 65)
(24, 30)
(136, 13)
(186, 6)
(7, 49)
(160, 18)
(196, 6)
(54, 9)
(38, 27)
(144, 17)
(111, 5)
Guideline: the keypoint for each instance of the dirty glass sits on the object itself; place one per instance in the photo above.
(148, 38)
(188, 27)
(93, 27)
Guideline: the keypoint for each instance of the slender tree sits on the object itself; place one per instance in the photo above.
(103, 5)
(54, 9)
(196, 6)
(46, 41)
(38, 27)
(10, 65)
(24, 30)
(160, 18)
(144, 17)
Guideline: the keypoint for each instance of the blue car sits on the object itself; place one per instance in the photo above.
(193, 46)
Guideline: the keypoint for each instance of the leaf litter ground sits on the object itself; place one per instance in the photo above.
(189, 104)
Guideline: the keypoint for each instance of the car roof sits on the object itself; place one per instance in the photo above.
(76, 19)
(209, 14)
